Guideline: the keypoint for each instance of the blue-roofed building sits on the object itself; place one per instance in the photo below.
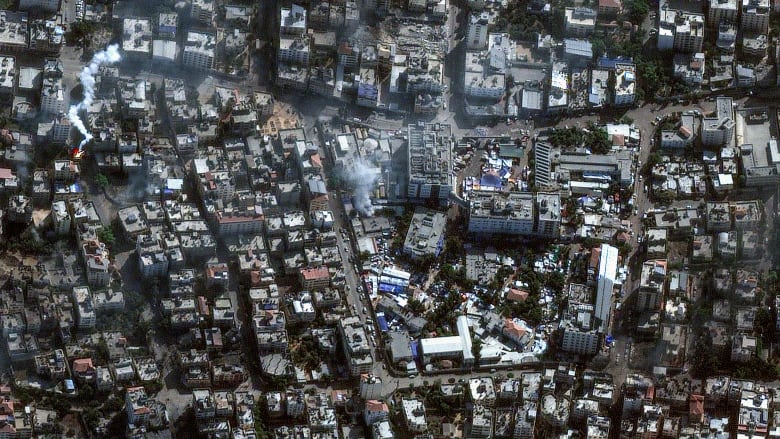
(611, 63)
(382, 322)
(392, 289)
(167, 26)
(491, 180)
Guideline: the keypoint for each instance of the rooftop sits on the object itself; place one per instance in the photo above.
(13, 28)
(137, 35)
(203, 43)
(430, 154)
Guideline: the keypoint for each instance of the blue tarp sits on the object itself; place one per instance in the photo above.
(382, 323)
(610, 63)
(415, 355)
(394, 289)
(491, 180)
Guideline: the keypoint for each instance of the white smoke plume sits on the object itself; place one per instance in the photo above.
(87, 77)
(362, 178)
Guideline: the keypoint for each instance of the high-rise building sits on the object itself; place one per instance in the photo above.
(755, 16)
(199, 50)
(651, 285)
(721, 11)
(478, 31)
(542, 164)
(689, 33)
(579, 332)
(718, 130)
(606, 281)
(356, 346)
(429, 155)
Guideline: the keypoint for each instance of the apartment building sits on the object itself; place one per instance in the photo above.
(718, 130)
(514, 213)
(429, 156)
(356, 346)
(579, 22)
(294, 50)
(85, 308)
(579, 334)
(755, 16)
(625, 84)
(199, 49)
(689, 33)
(478, 31)
(721, 11)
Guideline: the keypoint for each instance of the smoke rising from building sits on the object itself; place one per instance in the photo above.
(87, 77)
(361, 178)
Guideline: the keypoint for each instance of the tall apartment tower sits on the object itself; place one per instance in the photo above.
(607, 278)
(755, 15)
(689, 33)
(478, 31)
(721, 11)
(542, 164)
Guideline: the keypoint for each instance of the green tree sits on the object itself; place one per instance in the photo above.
(597, 139)
(260, 429)
(637, 10)
(556, 281)
(30, 242)
(571, 137)
(101, 180)
(453, 247)
(415, 306)
(476, 350)
(652, 161)
(106, 235)
(651, 75)
(705, 362)
(599, 46)
(624, 248)
(765, 323)
(80, 32)
(91, 418)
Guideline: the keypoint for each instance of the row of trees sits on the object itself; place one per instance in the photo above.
(594, 138)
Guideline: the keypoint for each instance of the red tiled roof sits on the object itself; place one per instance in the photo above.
(373, 405)
(697, 405)
(314, 273)
(203, 305)
(595, 256)
(82, 365)
(517, 295)
(513, 328)
(610, 3)
(7, 407)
